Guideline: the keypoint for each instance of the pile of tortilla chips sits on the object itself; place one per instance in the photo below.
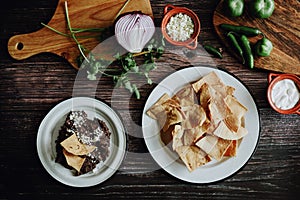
(75, 152)
(202, 121)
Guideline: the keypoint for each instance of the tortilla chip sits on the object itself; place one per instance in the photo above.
(73, 146)
(166, 111)
(235, 106)
(174, 116)
(224, 132)
(232, 149)
(177, 134)
(220, 148)
(195, 116)
(73, 160)
(200, 131)
(229, 90)
(204, 96)
(215, 82)
(186, 96)
(210, 79)
(157, 108)
(234, 119)
(188, 137)
(192, 156)
(207, 143)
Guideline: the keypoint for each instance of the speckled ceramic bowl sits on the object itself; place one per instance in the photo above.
(273, 79)
(170, 11)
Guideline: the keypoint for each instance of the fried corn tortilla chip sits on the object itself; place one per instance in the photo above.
(157, 108)
(73, 160)
(167, 111)
(208, 127)
(177, 134)
(234, 119)
(220, 148)
(207, 143)
(214, 146)
(224, 132)
(215, 82)
(186, 96)
(204, 96)
(195, 116)
(174, 116)
(232, 149)
(192, 156)
(73, 146)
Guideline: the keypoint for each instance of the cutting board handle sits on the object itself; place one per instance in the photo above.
(25, 45)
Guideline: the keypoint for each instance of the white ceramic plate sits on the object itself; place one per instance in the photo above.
(214, 170)
(48, 132)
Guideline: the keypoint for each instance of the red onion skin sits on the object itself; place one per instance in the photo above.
(133, 31)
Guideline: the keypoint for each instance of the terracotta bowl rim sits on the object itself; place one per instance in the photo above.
(273, 79)
(175, 10)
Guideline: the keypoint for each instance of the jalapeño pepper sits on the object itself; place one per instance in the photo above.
(263, 47)
(262, 8)
(233, 41)
(212, 50)
(245, 30)
(235, 8)
(245, 44)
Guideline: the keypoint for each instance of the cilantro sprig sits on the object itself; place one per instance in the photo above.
(131, 66)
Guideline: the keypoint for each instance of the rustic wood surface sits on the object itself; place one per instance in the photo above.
(282, 28)
(30, 88)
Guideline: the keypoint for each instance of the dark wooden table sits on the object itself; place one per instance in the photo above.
(31, 87)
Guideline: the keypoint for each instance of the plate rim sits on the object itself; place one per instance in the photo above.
(120, 135)
(232, 172)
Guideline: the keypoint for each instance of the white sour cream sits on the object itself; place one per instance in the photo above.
(285, 94)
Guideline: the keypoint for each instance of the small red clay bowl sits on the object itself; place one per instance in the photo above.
(273, 79)
(170, 11)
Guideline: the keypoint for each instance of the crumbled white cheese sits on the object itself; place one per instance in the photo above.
(180, 27)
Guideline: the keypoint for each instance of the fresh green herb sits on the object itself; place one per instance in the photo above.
(122, 77)
(131, 67)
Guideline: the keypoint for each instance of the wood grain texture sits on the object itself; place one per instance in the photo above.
(82, 14)
(29, 88)
(282, 28)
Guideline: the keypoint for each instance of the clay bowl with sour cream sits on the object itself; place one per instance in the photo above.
(180, 26)
(283, 93)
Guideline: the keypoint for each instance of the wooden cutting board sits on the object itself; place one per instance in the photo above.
(282, 28)
(82, 14)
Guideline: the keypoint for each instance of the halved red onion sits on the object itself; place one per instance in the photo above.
(134, 30)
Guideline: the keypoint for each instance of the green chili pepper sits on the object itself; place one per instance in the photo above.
(245, 44)
(212, 50)
(236, 45)
(262, 8)
(263, 47)
(235, 8)
(245, 30)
